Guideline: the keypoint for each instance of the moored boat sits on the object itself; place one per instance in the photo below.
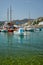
(29, 29)
(20, 31)
(10, 30)
(3, 30)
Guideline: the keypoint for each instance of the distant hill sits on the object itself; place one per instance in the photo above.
(19, 22)
(22, 21)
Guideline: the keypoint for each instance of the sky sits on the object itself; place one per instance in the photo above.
(21, 9)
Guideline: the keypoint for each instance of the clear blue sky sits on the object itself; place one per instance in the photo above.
(21, 9)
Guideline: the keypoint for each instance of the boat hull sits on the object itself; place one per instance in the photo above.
(30, 29)
(10, 30)
(20, 31)
(4, 31)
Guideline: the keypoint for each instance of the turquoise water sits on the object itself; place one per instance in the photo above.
(11, 44)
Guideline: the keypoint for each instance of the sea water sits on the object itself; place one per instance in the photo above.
(29, 46)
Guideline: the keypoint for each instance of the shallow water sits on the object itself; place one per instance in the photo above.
(21, 46)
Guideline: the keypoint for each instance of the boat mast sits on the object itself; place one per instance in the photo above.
(10, 13)
(29, 15)
(7, 14)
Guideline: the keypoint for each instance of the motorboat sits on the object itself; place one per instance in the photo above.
(29, 29)
(19, 31)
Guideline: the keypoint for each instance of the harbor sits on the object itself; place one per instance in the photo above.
(15, 49)
(21, 32)
(21, 44)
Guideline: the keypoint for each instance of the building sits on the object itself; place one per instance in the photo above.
(40, 23)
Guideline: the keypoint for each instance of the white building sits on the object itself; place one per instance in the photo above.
(40, 23)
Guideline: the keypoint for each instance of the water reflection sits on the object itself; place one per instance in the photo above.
(10, 43)
(21, 39)
(10, 37)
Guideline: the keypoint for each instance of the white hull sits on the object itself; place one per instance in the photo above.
(3, 30)
(29, 28)
(20, 31)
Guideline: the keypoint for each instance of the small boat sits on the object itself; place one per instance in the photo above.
(20, 31)
(4, 30)
(37, 29)
(29, 29)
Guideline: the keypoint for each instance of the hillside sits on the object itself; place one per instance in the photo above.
(29, 21)
(22, 21)
(18, 22)
(36, 21)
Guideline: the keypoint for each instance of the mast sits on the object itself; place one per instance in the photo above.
(7, 14)
(10, 13)
(29, 14)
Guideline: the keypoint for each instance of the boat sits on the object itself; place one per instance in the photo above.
(29, 29)
(19, 31)
(10, 30)
(3, 30)
(37, 29)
